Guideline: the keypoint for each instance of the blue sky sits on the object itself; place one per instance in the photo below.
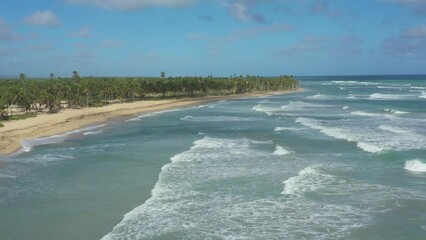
(212, 37)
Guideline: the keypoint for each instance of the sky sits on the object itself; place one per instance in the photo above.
(212, 37)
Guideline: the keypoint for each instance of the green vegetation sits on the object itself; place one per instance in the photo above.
(53, 94)
(1, 125)
(21, 117)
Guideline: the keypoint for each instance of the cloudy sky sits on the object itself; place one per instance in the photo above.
(212, 37)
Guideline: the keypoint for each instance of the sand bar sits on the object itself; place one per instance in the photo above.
(66, 120)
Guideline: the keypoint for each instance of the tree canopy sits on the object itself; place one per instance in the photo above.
(53, 94)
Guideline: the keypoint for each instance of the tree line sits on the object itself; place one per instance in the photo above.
(53, 94)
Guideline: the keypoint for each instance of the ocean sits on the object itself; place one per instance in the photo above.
(343, 159)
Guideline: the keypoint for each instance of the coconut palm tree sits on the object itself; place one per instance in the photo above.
(3, 108)
(22, 76)
(76, 76)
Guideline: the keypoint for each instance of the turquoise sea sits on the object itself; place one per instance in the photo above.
(344, 159)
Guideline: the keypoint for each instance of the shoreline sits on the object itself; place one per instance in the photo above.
(44, 125)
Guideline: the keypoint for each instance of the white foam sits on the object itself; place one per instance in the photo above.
(43, 159)
(177, 204)
(280, 151)
(307, 180)
(394, 111)
(314, 124)
(366, 114)
(338, 133)
(371, 148)
(280, 129)
(265, 101)
(421, 88)
(302, 106)
(27, 145)
(214, 191)
(153, 114)
(345, 82)
(352, 83)
(415, 166)
(390, 87)
(399, 112)
(219, 119)
(393, 129)
(201, 106)
(381, 96)
(345, 107)
(319, 96)
(93, 133)
(265, 109)
(2, 175)
(423, 95)
(368, 83)
(368, 137)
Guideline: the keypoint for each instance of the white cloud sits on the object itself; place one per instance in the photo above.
(84, 32)
(415, 32)
(42, 18)
(408, 44)
(132, 4)
(240, 11)
(6, 33)
(322, 7)
(418, 7)
(308, 44)
(151, 56)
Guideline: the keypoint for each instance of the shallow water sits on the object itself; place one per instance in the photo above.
(345, 159)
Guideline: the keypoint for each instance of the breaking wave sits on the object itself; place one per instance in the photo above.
(27, 145)
(307, 180)
(415, 166)
(280, 151)
(153, 114)
(368, 138)
(280, 129)
(382, 96)
(219, 119)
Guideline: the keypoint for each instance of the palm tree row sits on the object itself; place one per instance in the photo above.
(53, 94)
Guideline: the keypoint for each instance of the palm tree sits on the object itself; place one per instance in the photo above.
(85, 88)
(52, 76)
(76, 76)
(22, 76)
(163, 74)
(3, 108)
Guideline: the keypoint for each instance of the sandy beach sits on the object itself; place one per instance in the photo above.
(43, 125)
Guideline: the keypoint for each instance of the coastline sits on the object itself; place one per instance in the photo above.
(66, 120)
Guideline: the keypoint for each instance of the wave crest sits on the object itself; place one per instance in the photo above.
(415, 166)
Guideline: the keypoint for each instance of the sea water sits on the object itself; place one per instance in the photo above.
(344, 159)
